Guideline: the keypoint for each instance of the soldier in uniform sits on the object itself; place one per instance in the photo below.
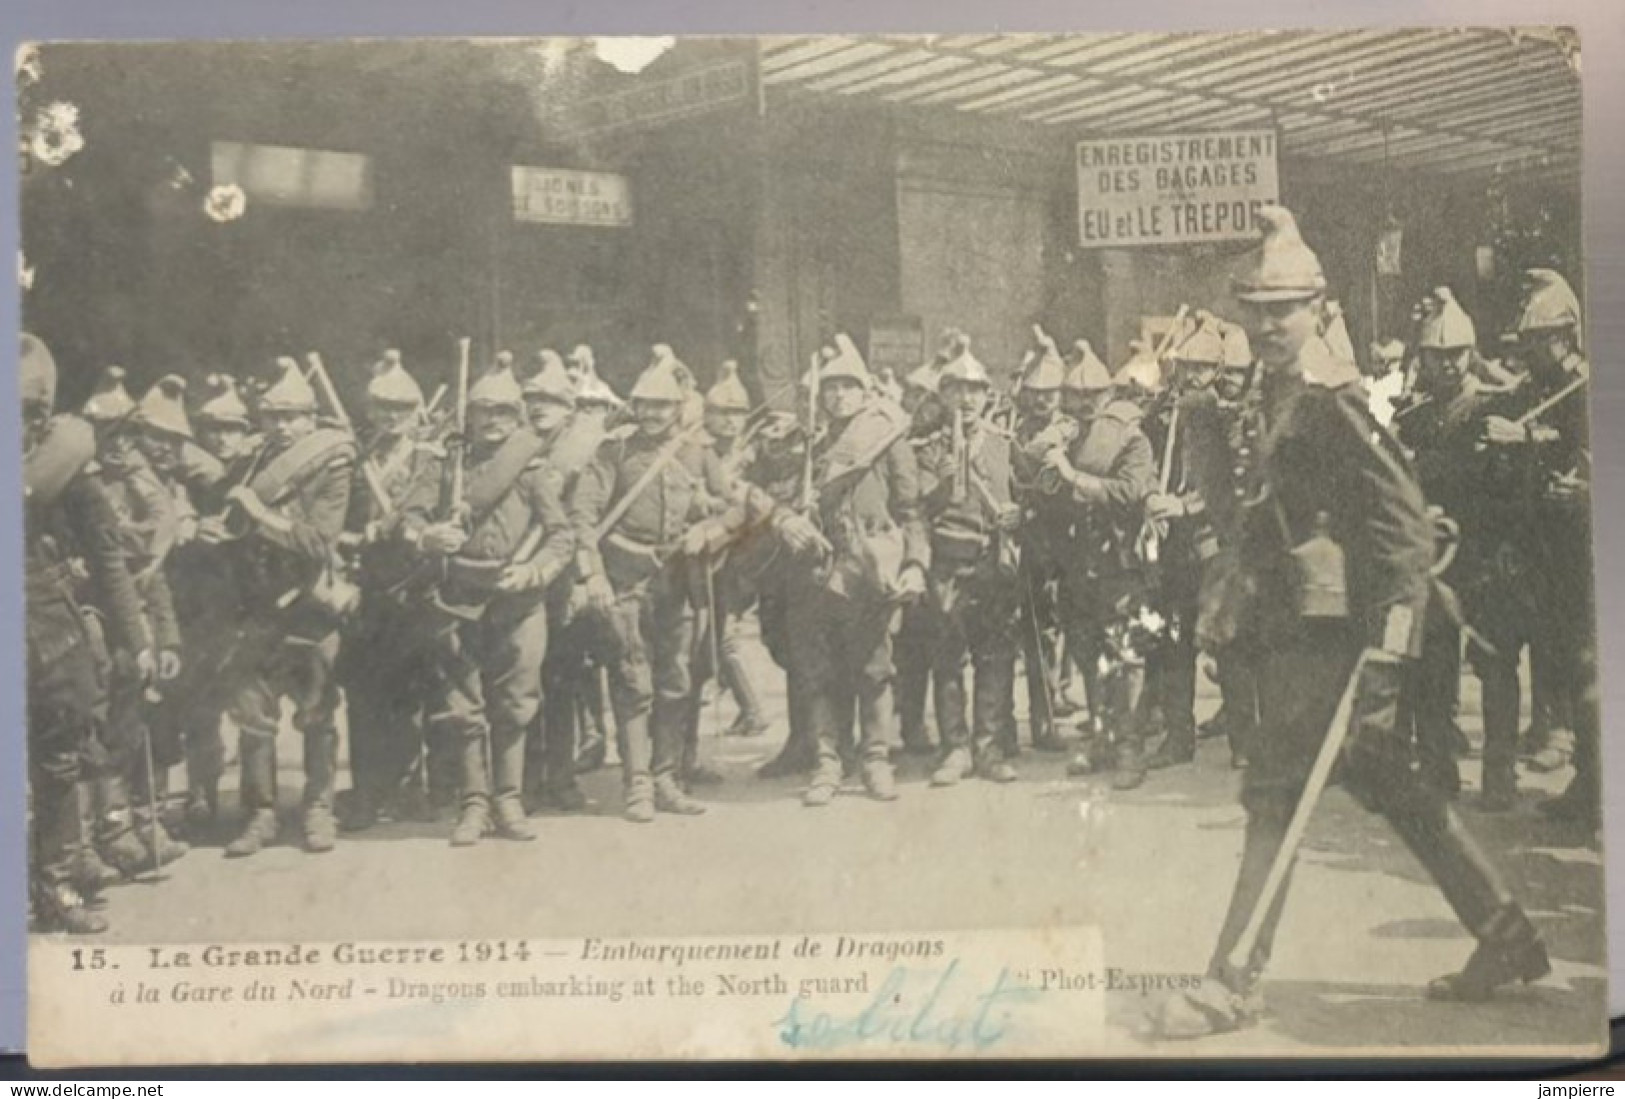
(293, 503)
(1044, 536)
(1442, 430)
(1331, 565)
(1184, 545)
(970, 611)
(122, 779)
(1105, 476)
(497, 537)
(69, 532)
(638, 508)
(1551, 441)
(386, 662)
(1231, 408)
(570, 441)
(728, 588)
(863, 558)
(210, 606)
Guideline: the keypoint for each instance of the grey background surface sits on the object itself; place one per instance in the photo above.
(1601, 24)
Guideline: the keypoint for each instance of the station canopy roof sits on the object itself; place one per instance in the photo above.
(1446, 102)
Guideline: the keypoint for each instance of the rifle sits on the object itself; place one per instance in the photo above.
(369, 472)
(451, 502)
(809, 494)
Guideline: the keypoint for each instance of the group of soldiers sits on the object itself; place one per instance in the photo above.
(462, 573)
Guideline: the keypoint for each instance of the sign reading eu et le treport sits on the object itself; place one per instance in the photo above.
(1174, 188)
(560, 196)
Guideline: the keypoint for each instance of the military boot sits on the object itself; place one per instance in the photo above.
(826, 780)
(162, 848)
(321, 778)
(670, 798)
(259, 830)
(879, 779)
(473, 822)
(994, 766)
(90, 875)
(508, 819)
(1131, 767)
(1509, 949)
(507, 779)
(120, 847)
(640, 800)
(58, 907)
(955, 766)
(258, 795)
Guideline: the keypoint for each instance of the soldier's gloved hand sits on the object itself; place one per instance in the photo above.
(600, 596)
(802, 535)
(911, 583)
(186, 529)
(1160, 507)
(696, 541)
(1500, 431)
(1057, 460)
(442, 539)
(169, 664)
(517, 578)
(212, 530)
(146, 662)
(249, 500)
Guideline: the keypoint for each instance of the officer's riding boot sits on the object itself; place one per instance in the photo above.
(474, 809)
(1228, 999)
(148, 816)
(507, 773)
(555, 788)
(1500, 703)
(1509, 949)
(321, 776)
(637, 762)
(114, 831)
(589, 703)
(258, 795)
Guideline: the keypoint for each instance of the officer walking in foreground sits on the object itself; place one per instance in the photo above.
(67, 519)
(498, 536)
(1337, 547)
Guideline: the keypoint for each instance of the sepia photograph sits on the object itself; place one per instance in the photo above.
(809, 547)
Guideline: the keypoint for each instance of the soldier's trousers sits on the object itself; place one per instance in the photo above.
(842, 649)
(649, 685)
(913, 652)
(67, 703)
(1170, 669)
(569, 687)
(970, 618)
(265, 669)
(1430, 710)
(725, 619)
(488, 693)
(1300, 682)
(186, 724)
(1090, 607)
(1040, 651)
(387, 671)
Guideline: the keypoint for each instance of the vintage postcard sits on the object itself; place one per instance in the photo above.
(798, 548)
